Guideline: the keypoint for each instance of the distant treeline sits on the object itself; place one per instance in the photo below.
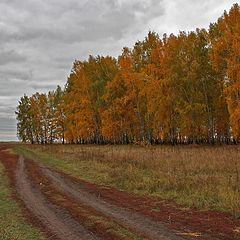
(174, 89)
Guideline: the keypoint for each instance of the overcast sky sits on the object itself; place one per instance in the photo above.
(39, 39)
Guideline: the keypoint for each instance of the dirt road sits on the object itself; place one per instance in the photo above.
(68, 208)
(58, 221)
(129, 219)
(64, 226)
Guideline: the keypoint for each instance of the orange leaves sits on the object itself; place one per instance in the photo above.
(170, 89)
(125, 61)
(84, 97)
(226, 54)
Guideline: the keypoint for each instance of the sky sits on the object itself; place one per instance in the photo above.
(40, 39)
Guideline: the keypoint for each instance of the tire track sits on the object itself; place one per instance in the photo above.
(57, 221)
(54, 199)
(126, 218)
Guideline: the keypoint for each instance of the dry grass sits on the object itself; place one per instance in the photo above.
(197, 176)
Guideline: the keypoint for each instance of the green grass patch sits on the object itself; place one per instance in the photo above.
(13, 225)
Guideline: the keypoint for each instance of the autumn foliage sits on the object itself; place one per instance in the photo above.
(174, 89)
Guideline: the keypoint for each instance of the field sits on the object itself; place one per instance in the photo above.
(196, 176)
(120, 192)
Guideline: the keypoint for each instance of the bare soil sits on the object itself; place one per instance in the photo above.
(63, 206)
(58, 221)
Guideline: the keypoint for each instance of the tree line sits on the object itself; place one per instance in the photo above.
(181, 88)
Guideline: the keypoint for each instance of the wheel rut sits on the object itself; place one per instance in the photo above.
(136, 222)
(55, 220)
(66, 208)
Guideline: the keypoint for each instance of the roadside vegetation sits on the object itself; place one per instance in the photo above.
(204, 177)
(13, 225)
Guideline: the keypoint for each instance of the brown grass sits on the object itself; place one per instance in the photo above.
(205, 177)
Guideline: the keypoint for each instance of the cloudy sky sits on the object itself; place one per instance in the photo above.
(39, 39)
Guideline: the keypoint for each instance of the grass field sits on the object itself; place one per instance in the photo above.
(204, 177)
(13, 225)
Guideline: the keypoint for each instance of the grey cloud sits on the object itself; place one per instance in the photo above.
(12, 74)
(43, 86)
(93, 20)
(11, 88)
(40, 39)
(10, 56)
(7, 129)
(5, 114)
